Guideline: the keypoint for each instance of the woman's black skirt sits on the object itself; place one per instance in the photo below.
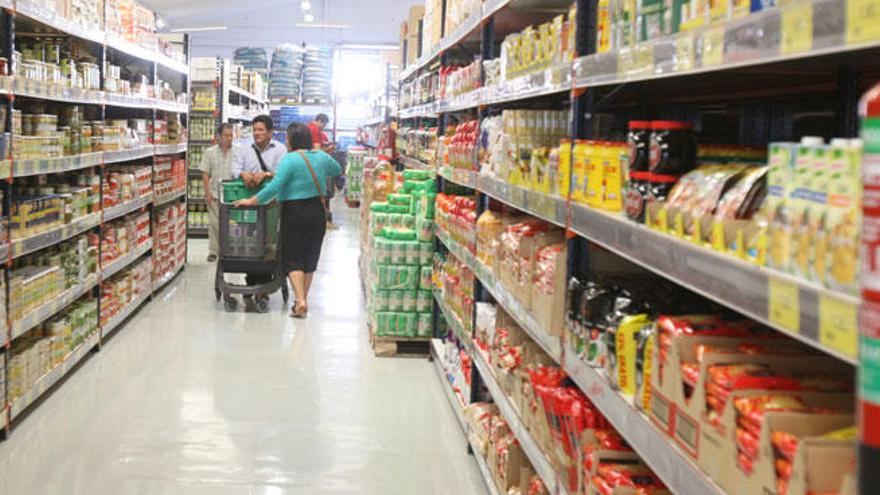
(302, 233)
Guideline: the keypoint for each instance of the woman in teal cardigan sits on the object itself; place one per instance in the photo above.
(303, 223)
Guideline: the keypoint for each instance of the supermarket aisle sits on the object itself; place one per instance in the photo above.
(189, 399)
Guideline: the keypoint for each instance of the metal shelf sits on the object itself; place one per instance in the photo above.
(464, 101)
(246, 94)
(167, 278)
(129, 206)
(169, 196)
(374, 121)
(551, 345)
(171, 148)
(454, 402)
(37, 12)
(737, 284)
(39, 166)
(116, 320)
(552, 209)
(426, 110)
(455, 323)
(46, 311)
(196, 201)
(542, 465)
(467, 178)
(758, 38)
(118, 156)
(414, 163)
(123, 261)
(27, 245)
(669, 462)
(45, 383)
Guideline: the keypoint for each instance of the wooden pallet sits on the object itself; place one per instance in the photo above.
(400, 346)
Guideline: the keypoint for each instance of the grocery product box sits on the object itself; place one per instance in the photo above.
(549, 288)
(795, 441)
(597, 457)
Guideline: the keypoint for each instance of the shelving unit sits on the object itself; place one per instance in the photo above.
(766, 56)
(22, 19)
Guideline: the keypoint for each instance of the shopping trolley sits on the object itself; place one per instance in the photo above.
(249, 243)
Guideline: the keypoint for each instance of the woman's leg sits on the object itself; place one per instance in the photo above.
(297, 280)
(308, 282)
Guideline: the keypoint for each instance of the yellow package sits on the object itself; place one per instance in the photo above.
(603, 26)
(844, 216)
(818, 213)
(615, 172)
(563, 173)
(597, 158)
(580, 160)
(625, 350)
(809, 153)
(643, 379)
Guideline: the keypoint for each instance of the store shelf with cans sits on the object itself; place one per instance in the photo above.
(668, 461)
(123, 261)
(121, 209)
(46, 311)
(26, 245)
(37, 11)
(161, 199)
(38, 166)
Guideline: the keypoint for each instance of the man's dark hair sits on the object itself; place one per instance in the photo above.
(266, 121)
(222, 127)
(299, 137)
(322, 118)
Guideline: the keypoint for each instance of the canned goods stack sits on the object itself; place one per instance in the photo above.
(318, 75)
(285, 80)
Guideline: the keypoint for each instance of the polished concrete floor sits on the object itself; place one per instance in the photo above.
(187, 399)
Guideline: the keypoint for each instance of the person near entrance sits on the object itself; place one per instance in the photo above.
(320, 141)
(217, 167)
(301, 186)
(255, 164)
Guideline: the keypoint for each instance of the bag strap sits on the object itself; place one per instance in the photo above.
(315, 179)
(260, 157)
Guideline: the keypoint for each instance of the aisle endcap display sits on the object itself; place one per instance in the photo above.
(48, 380)
(46, 311)
(27, 245)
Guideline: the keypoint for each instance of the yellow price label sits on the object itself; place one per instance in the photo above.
(838, 325)
(784, 305)
(713, 46)
(684, 52)
(862, 21)
(797, 28)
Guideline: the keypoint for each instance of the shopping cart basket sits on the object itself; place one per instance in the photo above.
(249, 243)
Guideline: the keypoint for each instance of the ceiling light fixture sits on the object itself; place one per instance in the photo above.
(197, 29)
(306, 5)
(323, 25)
(355, 46)
(309, 17)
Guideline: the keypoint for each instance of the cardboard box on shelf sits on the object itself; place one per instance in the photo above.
(819, 465)
(549, 289)
(598, 456)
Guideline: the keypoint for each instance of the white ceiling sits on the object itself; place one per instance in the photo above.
(267, 23)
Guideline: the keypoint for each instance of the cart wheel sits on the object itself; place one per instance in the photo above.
(285, 294)
(230, 303)
(218, 294)
(262, 305)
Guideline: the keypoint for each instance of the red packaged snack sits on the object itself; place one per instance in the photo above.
(785, 444)
(536, 486)
(611, 476)
(783, 468)
(690, 373)
(745, 463)
(747, 443)
(751, 409)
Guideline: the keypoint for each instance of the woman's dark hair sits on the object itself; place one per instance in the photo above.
(299, 137)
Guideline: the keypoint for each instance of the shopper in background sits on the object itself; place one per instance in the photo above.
(320, 141)
(300, 184)
(217, 167)
(255, 164)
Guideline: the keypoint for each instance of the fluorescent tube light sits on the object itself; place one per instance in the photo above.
(197, 29)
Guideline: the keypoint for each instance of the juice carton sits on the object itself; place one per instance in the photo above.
(844, 212)
(810, 155)
(777, 207)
